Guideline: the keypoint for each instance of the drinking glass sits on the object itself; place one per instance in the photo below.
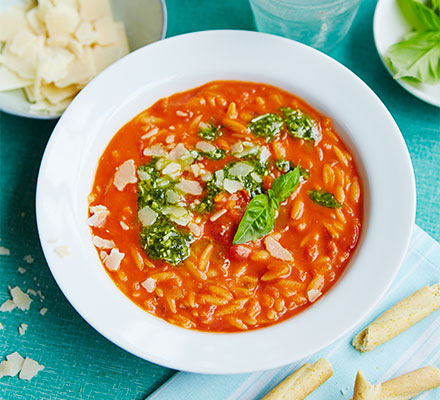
(319, 23)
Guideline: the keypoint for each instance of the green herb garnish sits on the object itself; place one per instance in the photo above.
(164, 241)
(216, 154)
(417, 57)
(209, 131)
(299, 124)
(207, 204)
(286, 166)
(259, 218)
(267, 126)
(324, 198)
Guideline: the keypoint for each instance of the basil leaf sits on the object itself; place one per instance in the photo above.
(273, 199)
(257, 221)
(417, 57)
(421, 14)
(285, 185)
(324, 198)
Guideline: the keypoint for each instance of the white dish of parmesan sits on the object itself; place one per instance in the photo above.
(50, 49)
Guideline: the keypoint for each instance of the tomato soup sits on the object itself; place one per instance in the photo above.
(226, 208)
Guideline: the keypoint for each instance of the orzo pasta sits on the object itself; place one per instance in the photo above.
(226, 208)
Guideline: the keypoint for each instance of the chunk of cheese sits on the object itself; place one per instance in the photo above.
(9, 80)
(11, 21)
(92, 10)
(61, 21)
(29, 369)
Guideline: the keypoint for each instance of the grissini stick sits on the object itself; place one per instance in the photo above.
(364, 390)
(398, 318)
(302, 382)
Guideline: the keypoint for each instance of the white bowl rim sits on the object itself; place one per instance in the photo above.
(61, 216)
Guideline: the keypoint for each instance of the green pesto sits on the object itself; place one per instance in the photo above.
(299, 124)
(216, 154)
(149, 192)
(267, 126)
(164, 241)
(324, 198)
(207, 204)
(210, 132)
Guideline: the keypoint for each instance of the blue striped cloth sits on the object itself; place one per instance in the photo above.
(418, 346)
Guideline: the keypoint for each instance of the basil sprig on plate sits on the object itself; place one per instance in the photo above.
(416, 57)
(259, 218)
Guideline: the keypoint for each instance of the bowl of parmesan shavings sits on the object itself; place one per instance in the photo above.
(51, 49)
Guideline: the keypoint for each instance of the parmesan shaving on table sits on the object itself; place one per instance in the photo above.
(53, 49)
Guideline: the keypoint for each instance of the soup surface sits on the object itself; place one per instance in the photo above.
(225, 208)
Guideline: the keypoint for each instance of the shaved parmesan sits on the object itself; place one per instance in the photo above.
(43, 311)
(195, 229)
(92, 10)
(113, 260)
(56, 95)
(7, 306)
(102, 243)
(62, 251)
(20, 299)
(98, 217)
(55, 63)
(147, 216)
(85, 33)
(276, 250)
(179, 152)
(1, 326)
(205, 146)
(105, 31)
(125, 174)
(61, 20)
(190, 187)
(156, 150)
(232, 186)
(22, 40)
(149, 284)
(29, 369)
(28, 258)
(22, 329)
(12, 365)
(214, 217)
(313, 294)
(4, 251)
(11, 21)
(21, 270)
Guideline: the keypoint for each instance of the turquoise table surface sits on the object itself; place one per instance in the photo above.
(79, 362)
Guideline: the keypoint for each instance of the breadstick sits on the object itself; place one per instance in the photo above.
(302, 382)
(364, 390)
(410, 385)
(398, 318)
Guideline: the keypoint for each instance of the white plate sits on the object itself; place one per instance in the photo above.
(145, 22)
(389, 27)
(180, 63)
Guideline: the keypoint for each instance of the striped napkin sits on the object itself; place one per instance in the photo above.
(418, 346)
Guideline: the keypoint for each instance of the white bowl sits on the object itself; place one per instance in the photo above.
(389, 28)
(145, 22)
(180, 63)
